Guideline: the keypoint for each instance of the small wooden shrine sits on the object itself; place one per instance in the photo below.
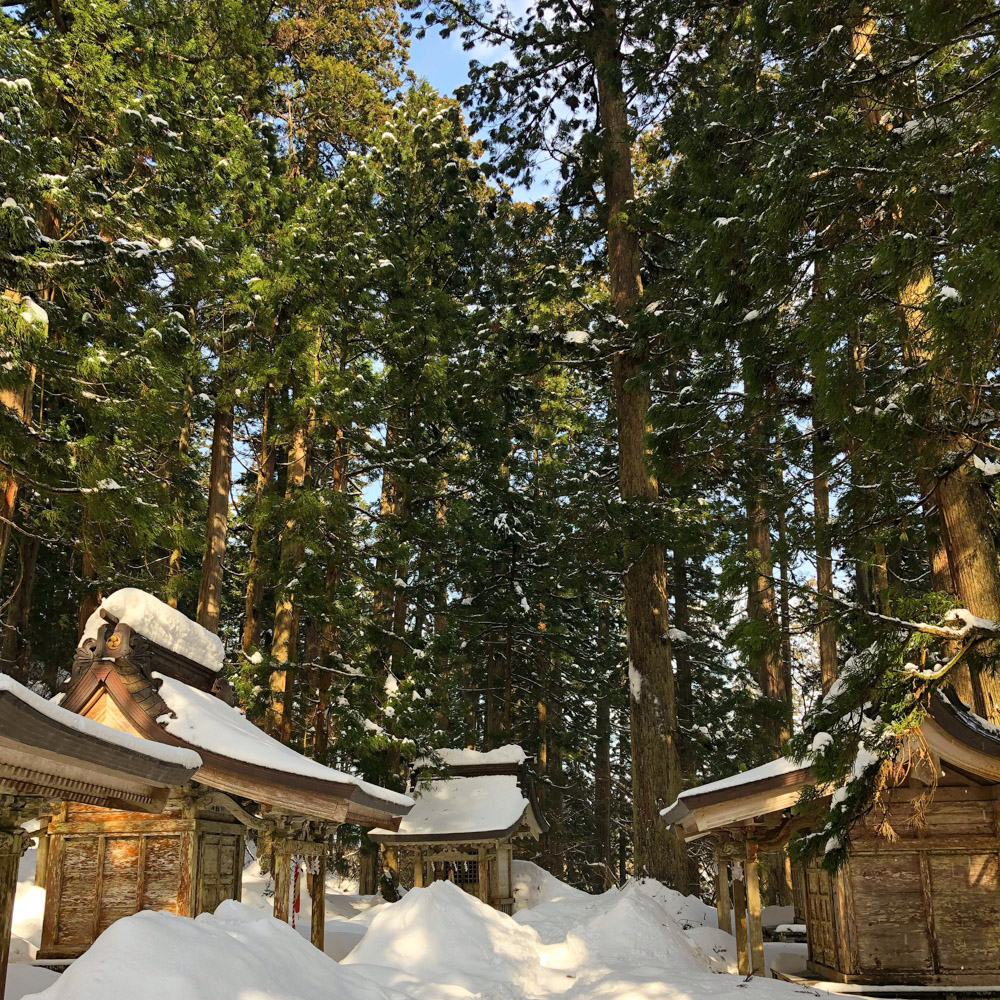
(46, 754)
(135, 670)
(920, 909)
(463, 826)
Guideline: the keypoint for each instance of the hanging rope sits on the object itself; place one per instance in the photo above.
(296, 895)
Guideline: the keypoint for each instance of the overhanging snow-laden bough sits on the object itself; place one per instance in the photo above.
(187, 858)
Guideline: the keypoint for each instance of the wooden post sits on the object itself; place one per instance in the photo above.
(740, 906)
(483, 868)
(318, 928)
(282, 879)
(756, 931)
(418, 868)
(42, 859)
(723, 902)
(12, 845)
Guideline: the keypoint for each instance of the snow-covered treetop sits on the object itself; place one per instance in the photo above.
(161, 624)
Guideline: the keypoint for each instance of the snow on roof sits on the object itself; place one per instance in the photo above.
(772, 769)
(454, 806)
(88, 727)
(209, 723)
(509, 754)
(161, 624)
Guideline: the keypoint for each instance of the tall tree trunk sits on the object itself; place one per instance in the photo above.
(762, 608)
(91, 599)
(14, 648)
(254, 613)
(934, 530)
(220, 479)
(784, 614)
(827, 632)
(602, 790)
(17, 401)
(656, 773)
(175, 564)
(284, 643)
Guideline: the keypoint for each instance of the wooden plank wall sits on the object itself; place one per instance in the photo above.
(104, 865)
(924, 908)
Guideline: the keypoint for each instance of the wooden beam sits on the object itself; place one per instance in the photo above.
(756, 931)
(740, 907)
(318, 927)
(12, 846)
(418, 869)
(282, 883)
(723, 902)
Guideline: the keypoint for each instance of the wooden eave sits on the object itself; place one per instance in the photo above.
(475, 837)
(334, 801)
(740, 805)
(955, 735)
(531, 822)
(41, 757)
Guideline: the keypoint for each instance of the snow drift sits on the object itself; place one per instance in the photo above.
(235, 952)
(442, 935)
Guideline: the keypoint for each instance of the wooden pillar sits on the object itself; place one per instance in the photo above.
(282, 879)
(318, 927)
(12, 846)
(723, 902)
(484, 876)
(505, 879)
(756, 931)
(42, 861)
(418, 868)
(740, 908)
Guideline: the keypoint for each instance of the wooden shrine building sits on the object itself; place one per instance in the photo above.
(48, 754)
(463, 825)
(918, 908)
(145, 669)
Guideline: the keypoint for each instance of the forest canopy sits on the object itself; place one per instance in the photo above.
(685, 461)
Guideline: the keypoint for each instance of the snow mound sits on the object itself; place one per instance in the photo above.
(534, 886)
(235, 952)
(442, 935)
(718, 945)
(636, 929)
(688, 911)
(161, 624)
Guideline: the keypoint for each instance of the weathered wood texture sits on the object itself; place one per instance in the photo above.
(12, 845)
(104, 865)
(923, 909)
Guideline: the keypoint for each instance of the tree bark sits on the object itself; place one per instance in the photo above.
(827, 631)
(220, 481)
(762, 608)
(14, 648)
(682, 659)
(284, 643)
(602, 790)
(254, 612)
(656, 773)
(17, 401)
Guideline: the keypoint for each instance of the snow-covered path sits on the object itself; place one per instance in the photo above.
(435, 944)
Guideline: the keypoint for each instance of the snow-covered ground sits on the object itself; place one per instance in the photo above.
(644, 942)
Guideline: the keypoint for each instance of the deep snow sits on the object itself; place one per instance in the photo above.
(643, 942)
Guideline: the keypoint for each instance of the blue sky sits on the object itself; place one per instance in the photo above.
(445, 64)
(440, 60)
